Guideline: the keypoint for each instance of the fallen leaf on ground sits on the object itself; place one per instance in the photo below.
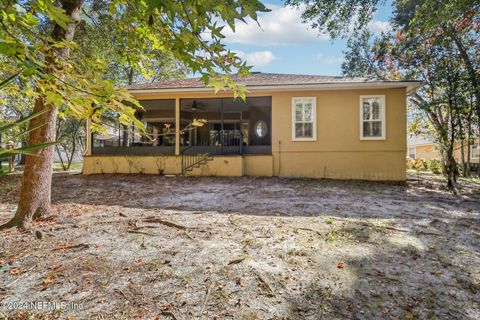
(48, 281)
(14, 271)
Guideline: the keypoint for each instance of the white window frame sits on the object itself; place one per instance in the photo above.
(383, 112)
(477, 145)
(314, 118)
(414, 153)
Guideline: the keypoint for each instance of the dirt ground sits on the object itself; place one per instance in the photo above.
(152, 247)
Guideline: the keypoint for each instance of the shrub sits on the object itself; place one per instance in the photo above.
(420, 164)
(410, 163)
(435, 166)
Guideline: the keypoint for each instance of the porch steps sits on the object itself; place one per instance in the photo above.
(203, 160)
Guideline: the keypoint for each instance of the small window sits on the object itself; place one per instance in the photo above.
(372, 118)
(475, 151)
(412, 152)
(261, 129)
(304, 119)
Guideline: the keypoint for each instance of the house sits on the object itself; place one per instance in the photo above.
(425, 147)
(422, 146)
(289, 126)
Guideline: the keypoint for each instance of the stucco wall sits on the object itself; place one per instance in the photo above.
(220, 166)
(338, 151)
(258, 165)
(345, 165)
(131, 164)
(426, 152)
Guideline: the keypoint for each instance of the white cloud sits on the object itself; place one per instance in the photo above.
(258, 58)
(281, 26)
(377, 26)
(332, 60)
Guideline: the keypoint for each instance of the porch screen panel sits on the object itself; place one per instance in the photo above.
(158, 117)
(232, 125)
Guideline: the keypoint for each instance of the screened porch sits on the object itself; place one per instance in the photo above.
(232, 127)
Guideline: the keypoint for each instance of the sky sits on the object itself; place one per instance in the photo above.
(284, 44)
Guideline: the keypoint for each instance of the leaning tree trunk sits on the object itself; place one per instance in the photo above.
(35, 192)
(478, 142)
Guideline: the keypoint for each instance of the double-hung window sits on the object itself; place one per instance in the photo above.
(304, 119)
(372, 117)
(475, 151)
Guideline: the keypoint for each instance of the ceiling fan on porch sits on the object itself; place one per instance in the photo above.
(196, 106)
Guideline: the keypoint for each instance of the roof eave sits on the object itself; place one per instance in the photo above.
(409, 85)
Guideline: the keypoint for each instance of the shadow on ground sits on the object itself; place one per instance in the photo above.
(413, 276)
(261, 196)
(246, 248)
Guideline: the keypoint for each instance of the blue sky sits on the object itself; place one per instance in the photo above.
(285, 45)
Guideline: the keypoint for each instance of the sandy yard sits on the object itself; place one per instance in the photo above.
(152, 247)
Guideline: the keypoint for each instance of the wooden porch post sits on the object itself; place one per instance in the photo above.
(177, 126)
(88, 149)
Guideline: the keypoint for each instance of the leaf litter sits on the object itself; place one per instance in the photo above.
(152, 247)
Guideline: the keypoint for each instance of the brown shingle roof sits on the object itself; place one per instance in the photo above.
(262, 79)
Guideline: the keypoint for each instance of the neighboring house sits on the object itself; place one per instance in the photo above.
(420, 146)
(289, 126)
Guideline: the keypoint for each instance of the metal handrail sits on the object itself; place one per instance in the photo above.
(203, 151)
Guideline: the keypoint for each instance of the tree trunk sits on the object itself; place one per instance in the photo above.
(469, 139)
(74, 146)
(35, 192)
(467, 169)
(60, 157)
(478, 143)
(471, 69)
(462, 147)
(59, 137)
(22, 156)
(450, 160)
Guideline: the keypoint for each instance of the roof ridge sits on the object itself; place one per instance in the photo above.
(294, 74)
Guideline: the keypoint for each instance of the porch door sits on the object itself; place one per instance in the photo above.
(227, 133)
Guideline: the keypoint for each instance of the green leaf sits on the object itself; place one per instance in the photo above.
(9, 79)
(57, 15)
(54, 98)
(21, 121)
(6, 153)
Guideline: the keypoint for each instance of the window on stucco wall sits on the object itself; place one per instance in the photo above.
(304, 119)
(475, 151)
(412, 152)
(372, 117)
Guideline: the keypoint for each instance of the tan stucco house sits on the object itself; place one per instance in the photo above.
(422, 146)
(289, 126)
(425, 147)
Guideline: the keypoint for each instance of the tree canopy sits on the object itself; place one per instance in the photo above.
(433, 41)
(115, 39)
(67, 56)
